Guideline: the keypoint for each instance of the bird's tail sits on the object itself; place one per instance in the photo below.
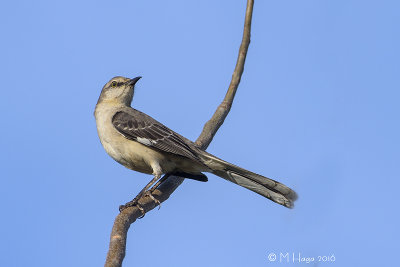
(264, 186)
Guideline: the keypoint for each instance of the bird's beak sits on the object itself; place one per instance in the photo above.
(133, 81)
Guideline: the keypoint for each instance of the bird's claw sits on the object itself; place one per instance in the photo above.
(132, 203)
(141, 210)
(135, 202)
(158, 203)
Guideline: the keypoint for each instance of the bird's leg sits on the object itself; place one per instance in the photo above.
(159, 182)
(135, 201)
(155, 187)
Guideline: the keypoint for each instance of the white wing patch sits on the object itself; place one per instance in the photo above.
(145, 141)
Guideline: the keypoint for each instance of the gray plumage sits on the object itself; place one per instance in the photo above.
(141, 143)
(137, 126)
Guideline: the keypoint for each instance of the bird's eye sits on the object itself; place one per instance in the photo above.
(114, 84)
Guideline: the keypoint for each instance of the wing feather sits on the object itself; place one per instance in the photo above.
(141, 128)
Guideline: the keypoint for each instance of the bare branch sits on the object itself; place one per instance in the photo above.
(123, 221)
(212, 126)
(129, 215)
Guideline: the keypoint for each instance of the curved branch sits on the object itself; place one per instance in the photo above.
(116, 252)
(212, 126)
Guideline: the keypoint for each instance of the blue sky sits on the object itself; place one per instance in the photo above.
(317, 108)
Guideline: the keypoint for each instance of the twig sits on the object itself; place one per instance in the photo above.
(212, 126)
(116, 252)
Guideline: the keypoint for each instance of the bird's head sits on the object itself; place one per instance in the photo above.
(118, 89)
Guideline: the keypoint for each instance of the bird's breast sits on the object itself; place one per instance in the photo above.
(126, 152)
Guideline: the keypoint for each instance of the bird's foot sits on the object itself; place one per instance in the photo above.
(150, 194)
(134, 202)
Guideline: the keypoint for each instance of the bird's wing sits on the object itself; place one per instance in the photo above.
(137, 126)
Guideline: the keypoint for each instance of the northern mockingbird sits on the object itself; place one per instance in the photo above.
(143, 144)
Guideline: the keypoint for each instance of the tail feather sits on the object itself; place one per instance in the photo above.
(259, 184)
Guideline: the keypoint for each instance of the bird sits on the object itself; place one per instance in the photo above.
(142, 144)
